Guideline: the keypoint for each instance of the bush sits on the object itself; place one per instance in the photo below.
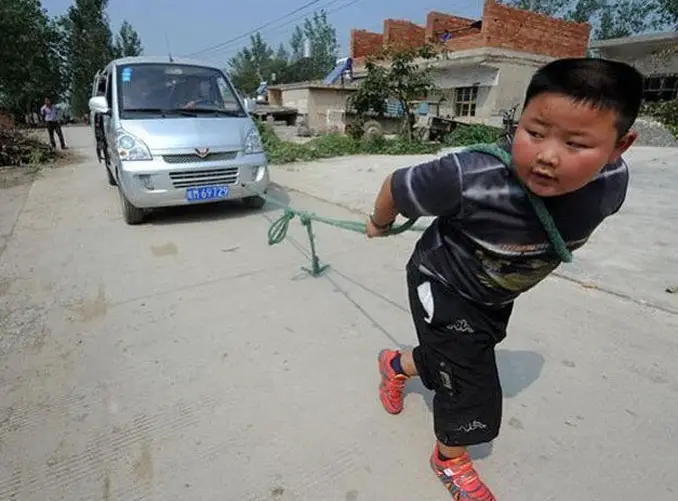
(664, 111)
(467, 135)
(336, 145)
(18, 148)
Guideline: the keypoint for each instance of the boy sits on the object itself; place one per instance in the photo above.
(487, 246)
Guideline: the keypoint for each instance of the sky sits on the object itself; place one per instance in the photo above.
(196, 25)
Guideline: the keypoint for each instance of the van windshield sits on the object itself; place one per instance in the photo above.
(174, 91)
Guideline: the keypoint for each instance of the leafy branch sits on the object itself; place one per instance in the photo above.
(398, 74)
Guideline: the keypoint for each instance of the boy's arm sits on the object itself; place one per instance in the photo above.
(429, 189)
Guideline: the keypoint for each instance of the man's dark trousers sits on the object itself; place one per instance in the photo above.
(52, 127)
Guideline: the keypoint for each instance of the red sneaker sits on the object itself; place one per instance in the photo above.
(392, 385)
(460, 478)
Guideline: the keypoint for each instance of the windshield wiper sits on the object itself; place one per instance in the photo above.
(227, 113)
(163, 111)
(146, 110)
(188, 112)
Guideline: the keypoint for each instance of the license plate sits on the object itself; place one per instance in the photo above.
(201, 193)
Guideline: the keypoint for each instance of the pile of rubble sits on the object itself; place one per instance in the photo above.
(18, 148)
(652, 133)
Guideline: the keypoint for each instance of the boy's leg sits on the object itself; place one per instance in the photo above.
(455, 358)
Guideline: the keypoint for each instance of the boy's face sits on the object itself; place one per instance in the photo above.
(561, 144)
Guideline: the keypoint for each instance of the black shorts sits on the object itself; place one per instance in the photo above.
(456, 359)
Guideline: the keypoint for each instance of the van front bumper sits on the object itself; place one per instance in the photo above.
(159, 183)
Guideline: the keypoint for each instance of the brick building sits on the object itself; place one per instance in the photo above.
(484, 65)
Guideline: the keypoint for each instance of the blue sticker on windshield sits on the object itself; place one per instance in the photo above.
(127, 75)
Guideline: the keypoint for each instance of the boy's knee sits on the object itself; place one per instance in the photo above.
(467, 405)
(433, 369)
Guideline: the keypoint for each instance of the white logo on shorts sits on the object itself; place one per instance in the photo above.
(461, 326)
(473, 425)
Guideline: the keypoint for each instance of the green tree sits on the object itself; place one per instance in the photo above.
(251, 64)
(259, 61)
(668, 10)
(279, 66)
(623, 18)
(127, 42)
(583, 10)
(395, 75)
(32, 57)
(609, 18)
(323, 41)
(297, 43)
(548, 7)
(90, 48)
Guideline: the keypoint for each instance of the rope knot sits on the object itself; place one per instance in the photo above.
(278, 230)
(305, 218)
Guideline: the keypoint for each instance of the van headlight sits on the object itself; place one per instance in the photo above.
(131, 147)
(253, 142)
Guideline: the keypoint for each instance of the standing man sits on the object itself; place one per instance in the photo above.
(51, 117)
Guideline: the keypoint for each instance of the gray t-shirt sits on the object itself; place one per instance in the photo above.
(486, 241)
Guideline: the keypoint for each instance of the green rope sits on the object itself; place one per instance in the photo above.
(277, 232)
(547, 222)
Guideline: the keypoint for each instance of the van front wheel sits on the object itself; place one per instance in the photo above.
(130, 213)
(254, 202)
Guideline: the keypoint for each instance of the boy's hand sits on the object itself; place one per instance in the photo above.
(373, 230)
(385, 212)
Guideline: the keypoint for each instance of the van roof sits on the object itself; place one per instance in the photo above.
(161, 59)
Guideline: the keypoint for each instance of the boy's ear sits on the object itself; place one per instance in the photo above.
(623, 144)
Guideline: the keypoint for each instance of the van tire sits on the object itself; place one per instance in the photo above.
(131, 214)
(254, 202)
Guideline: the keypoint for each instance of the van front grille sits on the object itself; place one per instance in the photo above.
(204, 177)
(188, 158)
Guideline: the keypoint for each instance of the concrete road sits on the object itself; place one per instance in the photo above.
(187, 359)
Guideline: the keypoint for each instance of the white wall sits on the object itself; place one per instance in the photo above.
(296, 98)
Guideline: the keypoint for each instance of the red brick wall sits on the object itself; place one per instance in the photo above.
(509, 28)
(403, 34)
(364, 43)
(467, 42)
(437, 23)
(502, 27)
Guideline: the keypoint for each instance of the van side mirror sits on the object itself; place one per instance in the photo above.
(99, 104)
(250, 105)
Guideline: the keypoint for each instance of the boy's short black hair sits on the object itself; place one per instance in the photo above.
(602, 83)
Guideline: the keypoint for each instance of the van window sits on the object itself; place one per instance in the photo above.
(174, 90)
(101, 84)
(109, 89)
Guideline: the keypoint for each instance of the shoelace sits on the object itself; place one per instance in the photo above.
(396, 386)
(464, 477)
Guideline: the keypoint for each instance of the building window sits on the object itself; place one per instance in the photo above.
(660, 88)
(465, 101)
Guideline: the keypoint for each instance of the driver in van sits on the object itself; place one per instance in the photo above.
(201, 93)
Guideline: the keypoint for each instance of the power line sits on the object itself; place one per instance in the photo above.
(252, 32)
(291, 21)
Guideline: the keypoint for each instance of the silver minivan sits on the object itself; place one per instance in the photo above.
(175, 132)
